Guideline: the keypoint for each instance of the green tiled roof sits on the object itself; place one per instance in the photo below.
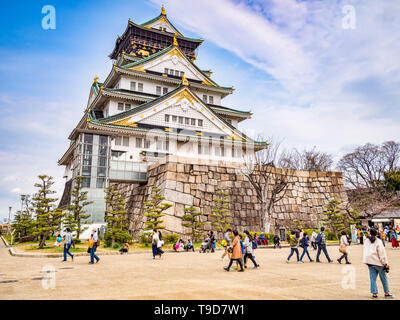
(159, 53)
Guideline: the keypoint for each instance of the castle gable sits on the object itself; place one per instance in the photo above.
(178, 109)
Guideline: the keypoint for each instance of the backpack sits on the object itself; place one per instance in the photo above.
(302, 243)
(254, 244)
(318, 239)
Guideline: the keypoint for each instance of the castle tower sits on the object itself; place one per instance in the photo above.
(154, 102)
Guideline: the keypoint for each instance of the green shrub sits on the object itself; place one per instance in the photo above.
(172, 238)
(310, 231)
(117, 246)
(146, 238)
(329, 235)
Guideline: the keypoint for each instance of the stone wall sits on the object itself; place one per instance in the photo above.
(194, 182)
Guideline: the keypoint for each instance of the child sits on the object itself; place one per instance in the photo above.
(58, 241)
(124, 249)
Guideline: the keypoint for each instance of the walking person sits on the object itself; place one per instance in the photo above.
(227, 242)
(160, 243)
(241, 248)
(361, 236)
(321, 243)
(382, 236)
(67, 245)
(393, 239)
(293, 242)
(154, 243)
(212, 240)
(313, 243)
(374, 256)
(304, 243)
(344, 243)
(248, 247)
(94, 240)
(236, 252)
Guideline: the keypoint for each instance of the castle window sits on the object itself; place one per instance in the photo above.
(177, 73)
(182, 73)
(180, 120)
(211, 99)
(165, 90)
(140, 87)
(171, 72)
(219, 151)
(167, 118)
(139, 142)
(174, 118)
(204, 98)
(133, 86)
(200, 123)
(158, 90)
(193, 122)
(146, 144)
(203, 149)
(187, 121)
(125, 141)
(127, 106)
(166, 70)
(120, 106)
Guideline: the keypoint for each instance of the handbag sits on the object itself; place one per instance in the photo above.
(88, 250)
(342, 249)
(160, 243)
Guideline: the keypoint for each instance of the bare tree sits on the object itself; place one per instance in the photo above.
(310, 160)
(269, 186)
(366, 166)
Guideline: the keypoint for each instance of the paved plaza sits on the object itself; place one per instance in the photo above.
(189, 276)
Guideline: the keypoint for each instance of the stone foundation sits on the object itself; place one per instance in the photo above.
(194, 182)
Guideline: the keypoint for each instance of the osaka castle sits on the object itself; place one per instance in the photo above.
(155, 102)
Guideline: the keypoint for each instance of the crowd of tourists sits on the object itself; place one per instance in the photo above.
(240, 249)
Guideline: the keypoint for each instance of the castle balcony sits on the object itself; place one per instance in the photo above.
(127, 171)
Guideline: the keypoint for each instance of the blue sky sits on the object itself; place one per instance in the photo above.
(308, 81)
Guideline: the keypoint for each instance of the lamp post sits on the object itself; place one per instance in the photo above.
(9, 221)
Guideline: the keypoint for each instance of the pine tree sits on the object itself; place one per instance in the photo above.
(48, 217)
(334, 219)
(23, 224)
(79, 201)
(115, 216)
(191, 219)
(220, 212)
(153, 210)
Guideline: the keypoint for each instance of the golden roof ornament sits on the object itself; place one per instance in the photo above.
(163, 10)
(185, 81)
(95, 79)
(175, 42)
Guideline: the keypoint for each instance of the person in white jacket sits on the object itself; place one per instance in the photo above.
(376, 259)
(248, 247)
(344, 243)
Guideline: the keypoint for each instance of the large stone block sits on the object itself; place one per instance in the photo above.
(178, 197)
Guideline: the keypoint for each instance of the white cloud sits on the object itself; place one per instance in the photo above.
(336, 88)
(16, 190)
